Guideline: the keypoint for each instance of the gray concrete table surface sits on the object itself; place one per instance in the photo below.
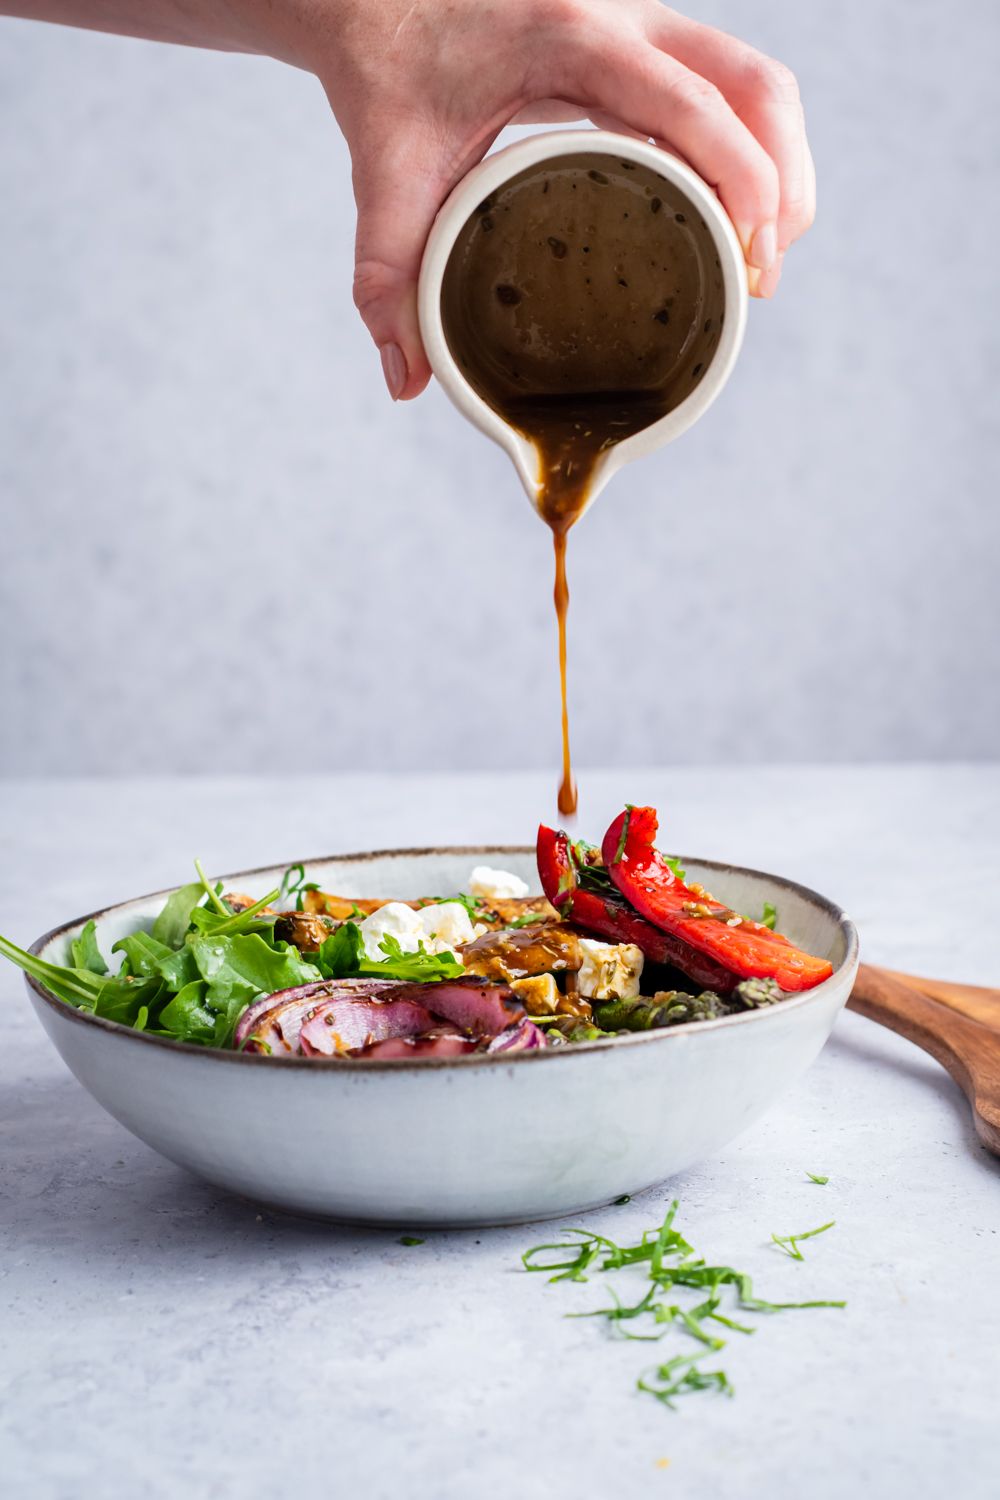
(160, 1338)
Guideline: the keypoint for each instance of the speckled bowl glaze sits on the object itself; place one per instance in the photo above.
(459, 1141)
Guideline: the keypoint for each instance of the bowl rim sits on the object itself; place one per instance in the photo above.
(799, 1002)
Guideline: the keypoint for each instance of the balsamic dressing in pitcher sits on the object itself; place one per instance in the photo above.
(582, 301)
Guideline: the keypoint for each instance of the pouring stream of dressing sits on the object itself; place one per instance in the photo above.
(582, 301)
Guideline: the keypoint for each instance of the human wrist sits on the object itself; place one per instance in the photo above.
(315, 35)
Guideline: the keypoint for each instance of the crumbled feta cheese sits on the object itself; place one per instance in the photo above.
(445, 926)
(496, 885)
(539, 994)
(610, 971)
(399, 921)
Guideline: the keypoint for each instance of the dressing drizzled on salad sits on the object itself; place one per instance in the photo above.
(616, 941)
(583, 302)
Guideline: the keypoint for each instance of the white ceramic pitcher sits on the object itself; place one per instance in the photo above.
(489, 176)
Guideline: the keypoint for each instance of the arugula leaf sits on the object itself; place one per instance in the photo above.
(175, 918)
(195, 973)
(213, 893)
(148, 958)
(125, 1000)
(85, 953)
(770, 915)
(675, 867)
(187, 1017)
(213, 978)
(339, 954)
(420, 967)
(473, 905)
(77, 987)
(342, 956)
(250, 920)
(248, 960)
(190, 978)
(117, 997)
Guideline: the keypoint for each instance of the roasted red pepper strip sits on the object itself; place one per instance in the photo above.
(647, 883)
(611, 917)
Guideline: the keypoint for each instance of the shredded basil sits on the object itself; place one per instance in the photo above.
(671, 1264)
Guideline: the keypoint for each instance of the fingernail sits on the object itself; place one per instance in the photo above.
(764, 247)
(394, 369)
(768, 283)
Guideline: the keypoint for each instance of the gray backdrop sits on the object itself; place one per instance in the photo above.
(224, 547)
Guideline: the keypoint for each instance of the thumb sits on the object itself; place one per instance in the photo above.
(397, 198)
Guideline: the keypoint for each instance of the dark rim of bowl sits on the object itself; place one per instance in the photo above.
(474, 1060)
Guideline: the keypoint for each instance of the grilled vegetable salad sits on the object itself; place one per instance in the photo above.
(618, 942)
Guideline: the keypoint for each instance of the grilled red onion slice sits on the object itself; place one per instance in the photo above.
(401, 1048)
(332, 1017)
(343, 1025)
(479, 1007)
(273, 1024)
(523, 1037)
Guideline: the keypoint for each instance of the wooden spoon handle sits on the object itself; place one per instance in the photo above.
(972, 1000)
(968, 1049)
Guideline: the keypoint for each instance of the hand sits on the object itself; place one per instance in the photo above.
(421, 88)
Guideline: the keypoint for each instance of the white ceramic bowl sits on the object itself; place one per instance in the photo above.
(490, 175)
(468, 1140)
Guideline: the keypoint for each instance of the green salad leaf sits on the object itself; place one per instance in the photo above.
(188, 1016)
(472, 904)
(254, 919)
(342, 956)
(117, 997)
(84, 952)
(175, 918)
(189, 978)
(147, 958)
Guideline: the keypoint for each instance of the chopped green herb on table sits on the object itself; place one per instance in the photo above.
(672, 1263)
(789, 1243)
